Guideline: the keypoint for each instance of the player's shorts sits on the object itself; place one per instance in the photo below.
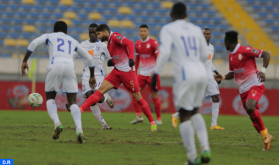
(146, 80)
(129, 80)
(86, 87)
(211, 88)
(189, 94)
(255, 93)
(61, 74)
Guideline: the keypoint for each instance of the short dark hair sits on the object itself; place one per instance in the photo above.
(179, 10)
(103, 27)
(207, 29)
(143, 26)
(231, 36)
(93, 25)
(60, 26)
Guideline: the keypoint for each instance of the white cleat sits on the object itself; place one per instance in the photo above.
(110, 102)
(106, 127)
(158, 122)
(138, 119)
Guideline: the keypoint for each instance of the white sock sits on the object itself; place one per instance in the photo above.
(188, 138)
(215, 112)
(97, 113)
(52, 111)
(176, 115)
(76, 116)
(106, 97)
(201, 131)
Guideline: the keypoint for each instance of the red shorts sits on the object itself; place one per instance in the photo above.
(129, 80)
(255, 93)
(143, 80)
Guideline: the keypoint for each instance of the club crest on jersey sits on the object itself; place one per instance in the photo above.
(148, 46)
(119, 37)
(157, 47)
(98, 48)
(240, 57)
(139, 46)
(255, 51)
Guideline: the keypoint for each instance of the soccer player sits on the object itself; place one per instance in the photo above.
(98, 50)
(243, 68)
(61, 71)
(185, 44)
(121, 50)
(146, 55)
(212, 86)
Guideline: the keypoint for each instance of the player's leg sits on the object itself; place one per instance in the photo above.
(106, 98)
(139, 118)
(53, 83)
(111, 81)
(155, 98)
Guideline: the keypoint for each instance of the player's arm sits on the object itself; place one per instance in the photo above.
(137, 60)
(107, 54)
(165, 53)
(203, 47)
(32, 46)
(80, 50)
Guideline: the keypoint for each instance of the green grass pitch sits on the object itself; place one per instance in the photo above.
(26, 137)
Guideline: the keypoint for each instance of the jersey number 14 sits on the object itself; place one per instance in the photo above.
(190, 44)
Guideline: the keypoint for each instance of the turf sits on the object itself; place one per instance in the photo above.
(26, 137)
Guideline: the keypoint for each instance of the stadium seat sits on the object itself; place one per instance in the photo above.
(29, 21)
(77, 22)
(94, 16)
(98, 9)
(137, 24)
(63, 8)
(5, 28)
(71, 15)
(116, 3)
(156, 18)
(149, 11)
(269, 21)
(192, 6)
(22, 42)
(115, 29)
(167, 5)
(124, 10)
(275, 14)
(29, 28)
(131, 17)
(82, 16)
(92, 2)
(137, 10)
(83, 36)
(57, 15)
(13, 35)
(87, 9)
(269, 8)
(9, 14)
(28, 35)
(67, 21)
(26, 7)
(112, 10)
(2, 7)
(27, 1)
(114, 23)
(74, 8)
(155, 4)
(262, 14)
(217, 20)
(17, 21)
(129, 4)
(262, 1)
(3, 34)
(142, 4)
(77, 30)
(10, 42)
(66, 2)
(107, 16)
(144, 17)
(119, 17)
(38, 8)
(16, 28)
(275, 28)
(45, 15)
(13, 7)
(75, 36)
(257, 7)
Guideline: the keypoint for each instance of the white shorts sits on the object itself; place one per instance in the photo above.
(61, 74)
(189, 94)
(85, 84)
(211, 88)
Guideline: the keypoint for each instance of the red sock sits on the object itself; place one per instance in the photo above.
(93, 99)
(146, 110)
(256, 116)
(137, 107)
(255, 125)
(157, 106)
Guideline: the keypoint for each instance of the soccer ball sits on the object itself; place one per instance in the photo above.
(35, 100)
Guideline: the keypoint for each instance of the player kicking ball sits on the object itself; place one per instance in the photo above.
(146, 55)
(121, 50)
(243, 68)
(185, 44)
(211, 87)
(98, 50)
(61, 71)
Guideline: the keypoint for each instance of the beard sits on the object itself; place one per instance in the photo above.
(104, 38)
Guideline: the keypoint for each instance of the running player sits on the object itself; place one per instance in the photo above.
(61, 71)
(98, 50)
(121, 50)
(243, 68)
(185, 44)
(146, 55)
(211, 88)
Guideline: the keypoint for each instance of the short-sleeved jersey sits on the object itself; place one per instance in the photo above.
(147, 51)
(60, 45)
(208, 64)
(98, 50)
(185, 44)
(242, 62)
(119, 52)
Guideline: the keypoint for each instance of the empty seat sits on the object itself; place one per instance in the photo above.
(50, 8)
(149, 11)
(131, 17)
(5, 28)
(9, 14)
(119, 17)
(116, 3)
(269, 8)
(92, 2)
(17, 21)
(3, 34)
(5, 20)
(129, 4)
(66, 2)
(124, 10)
(26, 7)
(10, 42)
(45, 15)
(77, 22)
(67, 21)
(269, 21)
(262, 14)
(217, 20)
(112, 10)
(38, 8)
(28, 35)
(256, 7)
(72, 15)
(137, 11)
(78, 30)
(62, 8)
(155, 4)
(27, 1)
(275, 28)
(114, 23)
(29, 21)
(13, 35)
(16, 28)
(107, 16)
(29, 28)
(74, 8)
(275, 14)
(3, 7)
(13, 7)
(22, 42)
(94, 16)
(142, 4)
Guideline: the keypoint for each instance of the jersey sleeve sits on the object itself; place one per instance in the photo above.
(165, 50)
(118, 38)
(156, 47)
(36, 42)
(251, 52)
(106, 52)
(230, 66)
(202, 47)
(136, 49)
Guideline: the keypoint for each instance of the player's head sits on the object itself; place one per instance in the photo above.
(207, 34)
(103, 32)
(143, 31)
(60, 26)
(92, 32)
(178, 11)
(230, 39)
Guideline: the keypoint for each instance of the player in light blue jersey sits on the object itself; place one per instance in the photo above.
(185, 44)
(61, 71)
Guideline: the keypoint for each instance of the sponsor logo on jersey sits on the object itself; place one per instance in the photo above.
(238, 106)
(115, 57)
(157, 47)
(240, 57)
(139, 46)
(209, 57)
(148, 46)
(256, 51)
(231, 58)
(237, 71)
(145, 55)
(98, 48)
(119, 37)
(248, 48)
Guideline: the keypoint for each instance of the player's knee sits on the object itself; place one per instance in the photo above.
(137, 96)
(215, 99)
(250, 108)
(154, 95)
